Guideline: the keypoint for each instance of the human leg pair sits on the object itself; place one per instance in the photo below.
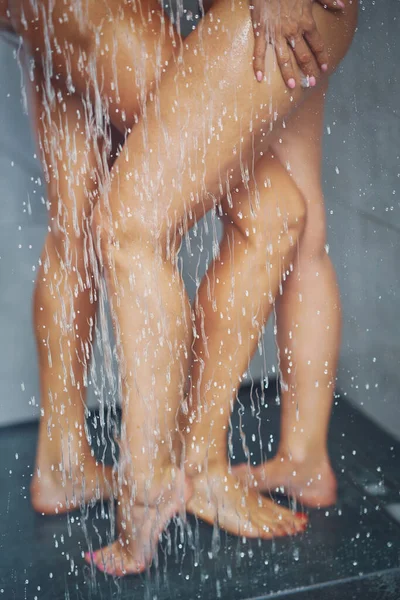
(260, 248)
(263, 226)
(173, 168)
(75, 156)
(213, 165)
(65, 460)
(65, 303)
(308, 320)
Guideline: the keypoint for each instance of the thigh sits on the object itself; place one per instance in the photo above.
(72, 160)
(299, 149)
(270, 205)
(209, 122)
(110, 53)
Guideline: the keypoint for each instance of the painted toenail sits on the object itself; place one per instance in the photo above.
(301, 515)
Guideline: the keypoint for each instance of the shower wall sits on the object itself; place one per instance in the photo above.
(361, 177)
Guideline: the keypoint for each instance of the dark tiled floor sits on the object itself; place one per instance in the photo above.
(351, 551)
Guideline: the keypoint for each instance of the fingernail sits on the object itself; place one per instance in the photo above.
(313, 81)
(291, 83)
(340, 3)
(259, 76)
(324, 67)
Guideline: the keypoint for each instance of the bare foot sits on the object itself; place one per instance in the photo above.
(55, 492)
(220, 497)
(312, 484)
(140, 524)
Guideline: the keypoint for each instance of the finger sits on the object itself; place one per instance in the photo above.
(259, 22)
(305, 60)
(283, 56)
(317, 46)
(332, 4)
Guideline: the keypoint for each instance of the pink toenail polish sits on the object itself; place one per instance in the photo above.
(324, 67)
(313, 81)
(259, 76)
(291, 83)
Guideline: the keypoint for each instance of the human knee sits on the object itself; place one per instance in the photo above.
(286, 225)
(68, 227)
(290, 215)
(102, 235)
(278, 226)
(132, 234)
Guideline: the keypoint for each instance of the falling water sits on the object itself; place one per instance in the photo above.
(86, 94)
(174, 232)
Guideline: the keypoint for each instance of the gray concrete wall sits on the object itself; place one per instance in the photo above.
(21, 236)
(361, 183)
(364, 116)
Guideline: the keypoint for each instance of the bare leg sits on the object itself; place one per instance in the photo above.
(65, 303)
(66, 297)
(308, 324)
(175, 164)
(113, 55)
(170, 173)
(262, 227)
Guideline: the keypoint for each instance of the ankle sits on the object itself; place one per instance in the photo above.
(60, 441)
(215, 461)
(302, 454)
(53, 459)
(148, 484)
(201, 462)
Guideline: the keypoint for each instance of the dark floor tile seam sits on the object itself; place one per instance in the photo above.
(369, 460)
(373, 502)
(326, 585)
(350, 475)
(355, 412)
(366, 461)
(362, 422)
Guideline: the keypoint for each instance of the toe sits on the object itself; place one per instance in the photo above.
(114, 562)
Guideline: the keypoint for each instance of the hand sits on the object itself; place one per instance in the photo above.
(289, 25)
